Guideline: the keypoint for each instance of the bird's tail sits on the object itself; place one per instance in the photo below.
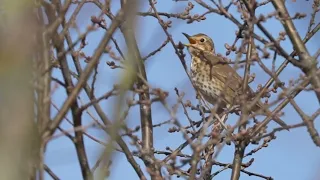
(275, 118)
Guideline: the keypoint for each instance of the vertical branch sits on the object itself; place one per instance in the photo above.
(18, 133)
(111, 131)
(237, 160)
(59, 46)
(250, 42)
(145, 110)
(42, 63)
(85, 74)
(82, 80)
(242, 144)
(209, 151)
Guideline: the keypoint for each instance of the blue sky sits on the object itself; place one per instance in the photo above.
(291, 156)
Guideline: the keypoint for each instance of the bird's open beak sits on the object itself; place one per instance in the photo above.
(190, 39)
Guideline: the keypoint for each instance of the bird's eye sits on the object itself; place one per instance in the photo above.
(202, 40)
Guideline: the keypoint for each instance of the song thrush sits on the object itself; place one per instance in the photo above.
(216, 80)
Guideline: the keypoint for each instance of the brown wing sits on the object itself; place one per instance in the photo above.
(223, 72)
(234, 80)
(226, 74)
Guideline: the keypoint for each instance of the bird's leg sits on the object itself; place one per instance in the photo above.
(224, 118)
(235, 109)
(255, 120)
(201, 109)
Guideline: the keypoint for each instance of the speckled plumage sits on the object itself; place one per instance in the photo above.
(210, 80)
(209, 87)
(216, 81)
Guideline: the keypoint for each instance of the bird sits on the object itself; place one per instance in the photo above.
(215, 79)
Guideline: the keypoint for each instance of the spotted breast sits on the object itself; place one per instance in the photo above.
(209, 87)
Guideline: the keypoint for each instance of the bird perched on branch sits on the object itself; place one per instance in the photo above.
(215, 79)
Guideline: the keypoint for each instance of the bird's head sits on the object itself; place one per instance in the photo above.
(199, 42)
